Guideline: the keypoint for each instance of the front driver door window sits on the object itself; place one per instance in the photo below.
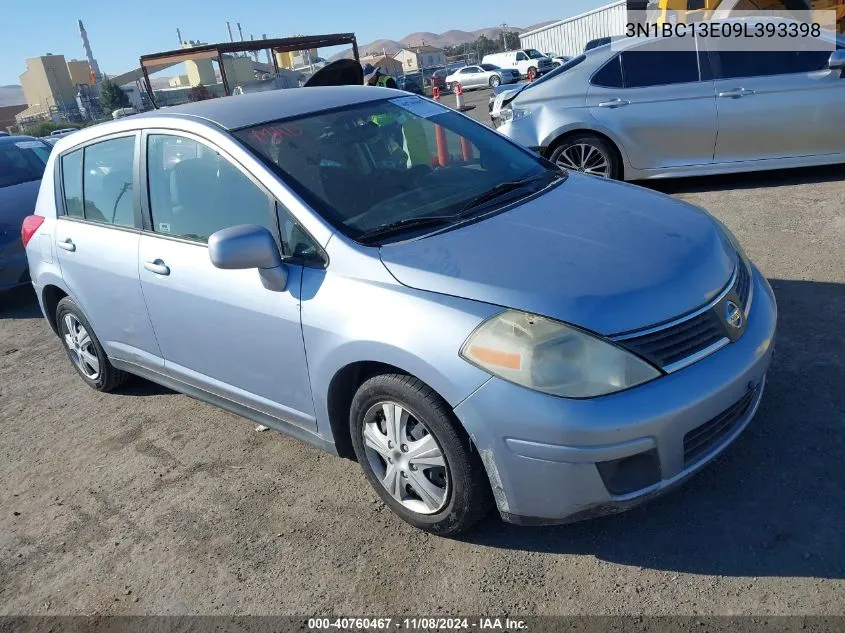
(219, 330)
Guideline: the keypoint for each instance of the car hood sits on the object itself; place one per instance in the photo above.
(606, 256)
(16, 202)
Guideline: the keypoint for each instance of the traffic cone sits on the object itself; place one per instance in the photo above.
(435, 93)
(459, 97)
(530, 75)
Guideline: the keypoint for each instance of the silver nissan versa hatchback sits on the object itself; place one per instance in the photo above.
(390, 281)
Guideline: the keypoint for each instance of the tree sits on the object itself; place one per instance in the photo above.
(112, 97)
(45, 127)
(511, 40)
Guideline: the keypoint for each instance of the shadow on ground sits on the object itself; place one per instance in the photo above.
(754, 180)
(19, 303)
(774, 503)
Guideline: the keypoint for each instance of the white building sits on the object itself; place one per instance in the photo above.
(568, 37)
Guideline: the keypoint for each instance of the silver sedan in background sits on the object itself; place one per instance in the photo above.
(482, 76)
(639, 110)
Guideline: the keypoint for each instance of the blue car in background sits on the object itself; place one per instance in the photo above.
(22, 162)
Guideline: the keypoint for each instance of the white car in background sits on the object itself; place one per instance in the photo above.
(523, 60)
(482, 76)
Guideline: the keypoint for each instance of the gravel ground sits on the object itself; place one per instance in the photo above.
(147, 501)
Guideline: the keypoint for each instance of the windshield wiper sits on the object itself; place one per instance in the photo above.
(405, 225)
(502, 188)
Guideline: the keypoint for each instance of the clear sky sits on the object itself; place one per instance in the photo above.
(119, 32)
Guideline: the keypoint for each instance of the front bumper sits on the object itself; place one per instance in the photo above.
(548, 458)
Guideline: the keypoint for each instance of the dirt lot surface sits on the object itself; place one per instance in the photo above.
(147, 501)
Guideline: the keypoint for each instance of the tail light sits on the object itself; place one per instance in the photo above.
(29, 227)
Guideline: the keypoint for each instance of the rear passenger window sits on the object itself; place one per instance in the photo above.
(735, 64)
(610, 75)
(72, 183)
(194, 191)
(107, 181)
(644, 67)
(97, 182)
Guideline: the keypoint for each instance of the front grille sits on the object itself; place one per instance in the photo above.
(681, 340)
(743, 284)
(701, 440)
(677, 342)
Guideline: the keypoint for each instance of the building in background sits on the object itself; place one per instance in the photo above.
(568, 37)
(385, 63)
(296, 59)
(80, 73)
(418, 57)
(48, 89)
(7, 115)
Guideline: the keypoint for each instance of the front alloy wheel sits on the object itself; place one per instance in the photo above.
(588, 154)
(585, 158)
(417, 456)
(406, 458)
(495, 81)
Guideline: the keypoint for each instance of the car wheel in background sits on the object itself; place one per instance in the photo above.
(84, 349)
(450, 87)
(414, 456)
(589, 154)
(495, 81)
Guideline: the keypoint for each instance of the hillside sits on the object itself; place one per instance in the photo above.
(449, 38)
(11, 95)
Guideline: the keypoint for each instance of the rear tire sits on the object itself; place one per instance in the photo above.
(84, 350)
(411, 452)
(450, 87)
(589, 154)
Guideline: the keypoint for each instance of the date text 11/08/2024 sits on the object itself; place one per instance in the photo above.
(423, 623)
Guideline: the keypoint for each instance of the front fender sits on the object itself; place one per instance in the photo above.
(349, 320)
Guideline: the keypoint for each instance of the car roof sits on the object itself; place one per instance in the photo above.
(240, 111)
(17, 139)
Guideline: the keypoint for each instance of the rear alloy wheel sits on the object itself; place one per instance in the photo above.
(495, 81)
(588, 154)
(412, 454)
(450, 87)
(84, 349)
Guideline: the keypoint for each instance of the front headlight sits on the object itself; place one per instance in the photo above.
(512, 114)
(549, 356)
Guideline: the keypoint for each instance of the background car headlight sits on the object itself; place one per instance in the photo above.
(549, 356)
(512, 114)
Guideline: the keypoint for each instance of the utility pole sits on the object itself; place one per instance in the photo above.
(504, 39)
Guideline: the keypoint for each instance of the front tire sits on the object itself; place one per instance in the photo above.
(84, 350)
(495, 81)
(423, 469)
(450, 87)
(588, 154)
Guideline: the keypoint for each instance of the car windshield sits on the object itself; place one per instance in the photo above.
(22, 161)
(490, 67)
(533, 54)
(397, 162)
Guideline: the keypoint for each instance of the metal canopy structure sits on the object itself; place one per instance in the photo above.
(216, 51)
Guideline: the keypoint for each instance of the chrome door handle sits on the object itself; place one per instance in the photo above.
(614, 103)
(739, 93)
(158, 267)
(67, 244)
